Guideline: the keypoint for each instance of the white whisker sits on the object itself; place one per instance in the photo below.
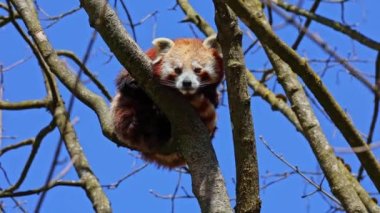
(167, 82)
(203, 84)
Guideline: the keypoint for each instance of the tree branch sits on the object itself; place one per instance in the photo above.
(69, 79)
(354, 34)
(247, 174)
(32, 104)
(271, 98)
(43, 188)
(16, 146)
(297, 170)
(375, 114)
(90, 183)
(192, 138)
(35, 146)
(339, 185)
(194, 17)
(255, 20)
(86, 71)
(306, 25)
(324, 45)
(5, 20)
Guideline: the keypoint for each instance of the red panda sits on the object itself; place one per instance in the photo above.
(192, 67)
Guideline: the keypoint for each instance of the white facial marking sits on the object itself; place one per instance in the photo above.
(210, 69)
(167, 67)
(187, 76)
(196, 64)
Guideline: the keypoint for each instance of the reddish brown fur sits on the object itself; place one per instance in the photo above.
(138, 121)
(204, 76)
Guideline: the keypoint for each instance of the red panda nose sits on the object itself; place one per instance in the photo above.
(186, 84)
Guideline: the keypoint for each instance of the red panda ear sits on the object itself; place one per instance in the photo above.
(211, 42)
(162, 46)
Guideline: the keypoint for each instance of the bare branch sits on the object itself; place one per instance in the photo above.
(301, 35)
(312, 131)
(32, 104)
(42, 189)
(5, 20)
(21, 61)
(26, 142)
(321, 43)
(90, 183)
(358, 149)
(150, 15)
(258, 24)
(192, 15)
(69, 79)
(239, 101)
(170, 196)
(174, 195)
(125, 8)
(117, 183)
(354, 34)
(56, 19)
(297, 170)
(273, 100)
(40, 136)
(86, 71)
(375, 115)
(60, 16)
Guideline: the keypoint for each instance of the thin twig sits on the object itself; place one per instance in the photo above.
(321, 43)
(42, 189)
(176, 190)
(40, 136)
(117, 183)
(1, 98)
(170, 196)
(86, 71)
(5, 175)
(66, 169)
(26, 142)
(297, 170)
(129, 17)
(140, 22)
(358, 149)
(15, 64)
(301, 35)
(354, 34)
(56, 19)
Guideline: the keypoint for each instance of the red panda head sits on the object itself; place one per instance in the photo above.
(187, 64)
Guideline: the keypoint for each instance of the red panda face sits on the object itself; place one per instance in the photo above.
(186, 64)
(188, 76)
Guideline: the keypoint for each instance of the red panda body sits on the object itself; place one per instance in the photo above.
(194, 68)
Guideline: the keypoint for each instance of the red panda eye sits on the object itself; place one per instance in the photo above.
(178, 70)
(197, 70)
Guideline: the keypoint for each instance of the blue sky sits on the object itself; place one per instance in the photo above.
(111, 163)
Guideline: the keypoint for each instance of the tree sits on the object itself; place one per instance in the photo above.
(309, 99)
